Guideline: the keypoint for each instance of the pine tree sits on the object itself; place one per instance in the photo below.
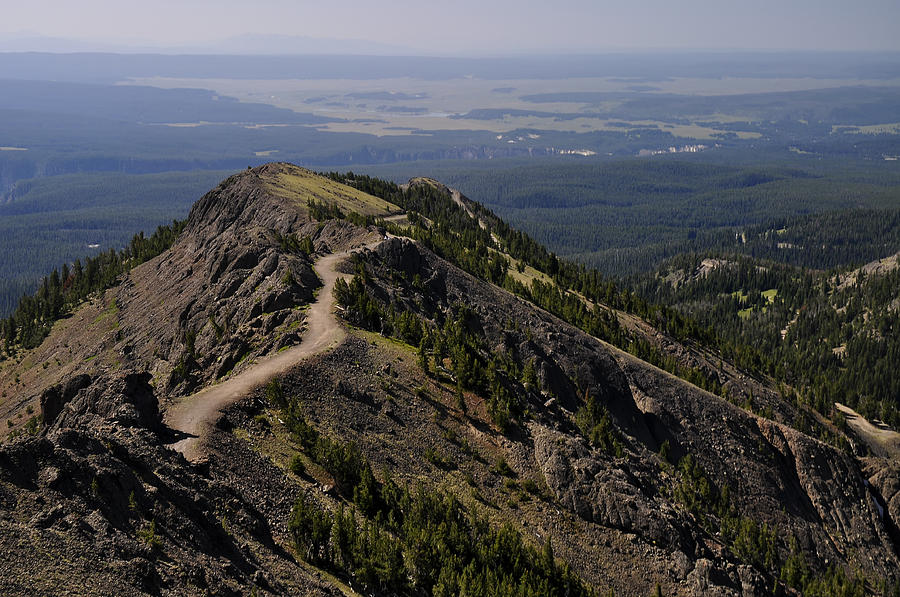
(547, 560)
(423, 353)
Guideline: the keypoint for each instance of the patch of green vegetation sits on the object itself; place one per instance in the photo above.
(291, 243)
(595, 424)
(434, 456)
(218, 330)
(303, 186)
(530, 486)
(148, 535)
(111, 309)
(63, 290)
(109, 314)
(421, 541)
(296, 466)
(31, 427)
(501, 467)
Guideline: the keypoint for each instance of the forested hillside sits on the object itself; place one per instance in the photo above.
(797, 325)
(67, 287)
(831, 337)
(824, 337)
(436, 447)
(50, 221)
(626, 216)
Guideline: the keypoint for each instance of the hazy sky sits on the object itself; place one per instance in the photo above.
(472, 26)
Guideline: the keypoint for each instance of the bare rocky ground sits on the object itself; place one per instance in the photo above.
(97, 504)
(194, 415)
(775, 474)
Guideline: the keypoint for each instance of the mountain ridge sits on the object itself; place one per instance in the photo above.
(446, 381)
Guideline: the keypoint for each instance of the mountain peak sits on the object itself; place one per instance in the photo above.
(274, 196)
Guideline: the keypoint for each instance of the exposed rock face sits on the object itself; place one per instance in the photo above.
(99, 506)
(231, 289)
(884, 485)
(54, 399)
(127, 400)
(96, 502)
(230, 279)
(777, 475)
(568, 361)
(834, 493)
(597, 490)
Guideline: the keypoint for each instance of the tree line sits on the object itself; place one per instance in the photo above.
(579, 295)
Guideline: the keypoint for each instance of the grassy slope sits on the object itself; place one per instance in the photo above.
(300, 185)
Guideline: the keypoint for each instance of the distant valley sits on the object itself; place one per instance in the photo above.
(819, 129)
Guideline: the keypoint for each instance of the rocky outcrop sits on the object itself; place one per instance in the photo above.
(774, 475)
(883, 483)
(97, 505)
(125, 399)
(54, 399)
(587, 483)
(238, 284)
(567, 361)
(232, 288)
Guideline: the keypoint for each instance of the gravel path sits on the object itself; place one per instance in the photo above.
(196, 415)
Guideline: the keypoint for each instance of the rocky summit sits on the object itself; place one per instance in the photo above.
(337, 385)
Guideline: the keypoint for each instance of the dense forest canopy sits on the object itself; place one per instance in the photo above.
(832, 336)
(50, 221)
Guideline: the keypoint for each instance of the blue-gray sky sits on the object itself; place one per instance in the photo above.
(473, 26)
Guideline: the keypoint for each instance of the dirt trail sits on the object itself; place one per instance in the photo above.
(881, 439)
(195, 415)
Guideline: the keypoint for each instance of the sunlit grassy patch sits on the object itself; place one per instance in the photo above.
(302, 185)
